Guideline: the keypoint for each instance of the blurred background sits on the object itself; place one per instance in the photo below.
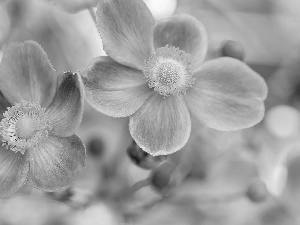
(249, 177)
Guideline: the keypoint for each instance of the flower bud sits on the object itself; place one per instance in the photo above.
(95, 147)
(62, 196)
(257, 191)
(161, 178)
(233, 49)
(143, 159)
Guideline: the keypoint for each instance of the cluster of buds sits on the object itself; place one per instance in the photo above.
(162, 171)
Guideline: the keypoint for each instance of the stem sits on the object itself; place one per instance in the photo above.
(215, 199)
(222, 199)
(93, 15)
(141, 209)
(137, 186)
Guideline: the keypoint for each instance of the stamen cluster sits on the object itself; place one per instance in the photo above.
(24, 125)
(169, 71)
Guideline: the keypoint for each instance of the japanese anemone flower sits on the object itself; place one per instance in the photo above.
(155, 74)
(40, 113)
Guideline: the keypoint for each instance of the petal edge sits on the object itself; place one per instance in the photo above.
(161, 126)
(27, 74)
(13, 171)
(126, 28)
(66, 109)
(56, 162)
(114, 89)
(184, 32)
(227, 95)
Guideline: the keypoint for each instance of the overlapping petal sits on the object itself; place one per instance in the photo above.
(13, 171)
(227, 95)
(3, 105)
(56, 162)
(185, 32)
(126, 28)
(26, 74)
(162, 125)
(65, 111)
(114, 89)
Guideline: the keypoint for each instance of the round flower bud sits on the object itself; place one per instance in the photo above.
(233, 49)
(95, 147)
(257, 191)
(143, 159)
(161, 178)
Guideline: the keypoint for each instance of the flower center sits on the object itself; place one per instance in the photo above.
(23, 126)
(168, 71)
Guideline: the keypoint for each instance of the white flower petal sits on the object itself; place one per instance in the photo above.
(161, 126)
(26, 74)
(13, 171)
(114, 89)
(227, 95)
(126, 28)
(56, 162)
(65, 111)
(184, 32)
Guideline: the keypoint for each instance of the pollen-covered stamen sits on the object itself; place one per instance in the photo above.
(24, 126)
(168, 71)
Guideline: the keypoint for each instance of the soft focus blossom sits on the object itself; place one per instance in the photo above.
(155, 74)
(161, 9)
(41, 113)
(74, 6)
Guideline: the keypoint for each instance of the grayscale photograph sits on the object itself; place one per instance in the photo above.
(149, 112)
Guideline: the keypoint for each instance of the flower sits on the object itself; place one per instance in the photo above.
(154, 73)
(41, 112)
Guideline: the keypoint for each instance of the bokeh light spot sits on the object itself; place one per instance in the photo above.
(283, 121)
(161, 9)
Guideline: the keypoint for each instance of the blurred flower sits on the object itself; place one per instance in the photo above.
(161, 9)
(155, 74)
(42, 112)
(74, 6)
(5, 24)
